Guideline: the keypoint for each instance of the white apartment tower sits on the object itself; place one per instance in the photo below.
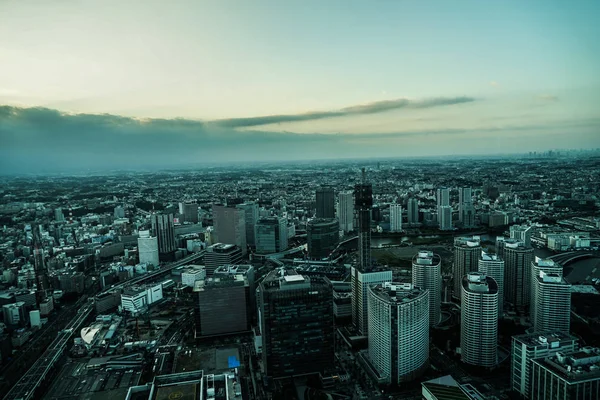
(395, 218)
(360, 283)
(148, 248)
(552, 303)
(427, 275)
(492, 265)
(466, 256)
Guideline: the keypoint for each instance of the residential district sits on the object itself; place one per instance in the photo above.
(472, 278)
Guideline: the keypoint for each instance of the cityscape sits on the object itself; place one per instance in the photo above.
(299, 200)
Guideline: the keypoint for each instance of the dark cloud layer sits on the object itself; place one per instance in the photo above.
(370, 108)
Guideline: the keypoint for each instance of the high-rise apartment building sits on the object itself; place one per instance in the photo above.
(325, 202)
(413, 211)
(163, 227)
(59, 216)
(322, 237)
(251, 216)
(346, 211)
(230, 225)
(189, 211)
(395, 218)
(442, 200)
(528, 347)
(271, 235)
(552, 303)
(360, 283)
(538, 265)
(466, 211)
(517, 263)
(466, 256)
(427, 275)
(398, 331)
(148, 248)
(363, 201)
(296, 323)
(479, 320)
(521, 233)
(445, 218)
(493, 266)
(221, 254)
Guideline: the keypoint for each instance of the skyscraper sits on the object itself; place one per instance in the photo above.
(479, 320)
(230, 225)
(322, 237)
(148, 248)
(552, 303)
(346, 211)
(325, 202)
(427, 275)
(517, 263)
(58, 215)
(398, 331)
(163, 228)
(363, 200)
(466, 211)
(221, 254)
(538, 265)
(251, 217)
(443, 200)
(395, 218)
(271, 235)
(466, 256)
(445, 218)
(521, 233)
(360, 283)
(296, 323)
(493, 266)
(413, 211)
(189, 210)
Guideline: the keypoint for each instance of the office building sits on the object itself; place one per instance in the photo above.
(521, 233)
(466, 211)
(517, 274)
(296, 323)
(445, 218)
(360, 283)
(398, 332)
(136, 299)
(552, 303)
(413, 211)
(230, 226)
(479, 320)
(395, 218)
(538, 265)
(35, 320)
(247, 272)
(223, 305)
(363, 202)
(427, 275)
(189, 212)
(14, 313)
(271, 235)
(192, 274)
(119, 212)
(221, 254)
(163, 227)
(493, 266)
(322, 237)
(466, 256)
(148, 249)
(571, 375)
(58, 215)
(447, 388)
(528, 347)
(346, 211)
(325, 203)
(442, 200)
(342, 301)
(251, 216)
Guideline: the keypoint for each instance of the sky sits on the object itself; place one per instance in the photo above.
(89, 84)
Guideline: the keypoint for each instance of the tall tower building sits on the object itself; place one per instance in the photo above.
(466, 211)
(58, 215)
(427, 275)
(521, 233)
(445, 218)
(398, 331)
(251, 217)
(466, 256)
(271, 235)
(221, 254)
(322, 237)
(346, 211)
(360, 283)
(493, 266)
(552, 303)
(517, 263)
(148, 248)
(363, 201)
(163, 228)
(395, 218)
(296, 323)
(443, 200)
(189, 210)
(230, 225)
(413, 211)
(325, 202)
(479, 320)
(538, 265)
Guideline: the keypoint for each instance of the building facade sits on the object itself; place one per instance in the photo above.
(517, 263)
(230, 226)
(552, 303)
(427, 275)
(466, 256)
(163, 227)
(322, 237)
(271, 235)
(148, 249)
(251, 216)
(413, 211)
(346, 211)
(395, 218)
(492, 265)
(360, 283)
(325, 201)
(221, 254)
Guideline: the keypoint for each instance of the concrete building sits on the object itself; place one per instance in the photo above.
(552, 303)
(325, 201)
(538, 265)
(479, 320)
(221, 254)
(363, 202)
(322, 237)
(466, 256)
(35, 319)
(46, 306)
(59, 216)
(296, 323)
(251, 216)
(192, 274)
(427, 275)
(230, 226)
(14, 313)
(571, 375)
(189, 212)
(445, 218)
(271, 235)
(247, 272)
(413, 211)
(398, 332)
(395, 218)
(493, 266)
(136, 299)
(528, 347)
(148, 249)
(521, 233)
(517, 263)
(119, 212)
(360, 284)
(346, 211)
(466, 211)
(163, 227)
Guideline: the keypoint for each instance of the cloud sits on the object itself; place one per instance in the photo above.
(494, 83)
(362, 109)
(548, 97)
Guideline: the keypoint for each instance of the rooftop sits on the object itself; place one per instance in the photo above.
(574, 366)
(553, 338)
(393, 292)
